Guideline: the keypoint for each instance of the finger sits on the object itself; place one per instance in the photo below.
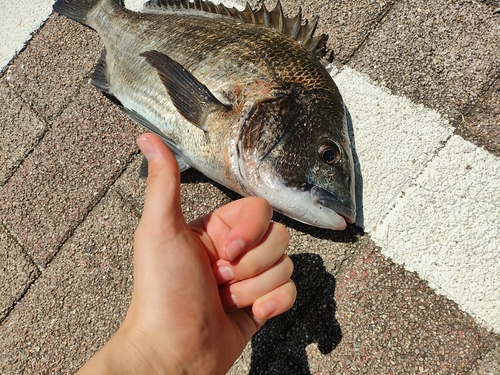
(245, 293)
(248, 226)
(275, 302)
(255, 260)
(162, 208)
(238, 226)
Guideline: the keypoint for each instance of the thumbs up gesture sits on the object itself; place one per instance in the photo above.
(201, 290)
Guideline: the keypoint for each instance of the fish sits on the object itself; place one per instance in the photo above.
(239, 95)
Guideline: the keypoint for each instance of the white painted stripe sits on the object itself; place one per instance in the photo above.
(18, 20)
(430, 200)
(394, 140)
(447, 229)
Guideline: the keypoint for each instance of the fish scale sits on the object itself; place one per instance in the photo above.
(238, 95)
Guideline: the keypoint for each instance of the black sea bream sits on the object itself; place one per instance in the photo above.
(238, 95)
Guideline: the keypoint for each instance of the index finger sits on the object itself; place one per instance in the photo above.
(237, 226)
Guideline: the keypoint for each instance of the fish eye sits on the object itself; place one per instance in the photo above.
(329, 152)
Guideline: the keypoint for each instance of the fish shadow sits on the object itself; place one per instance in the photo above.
(349, 235)
(280, 345)
(360, 219)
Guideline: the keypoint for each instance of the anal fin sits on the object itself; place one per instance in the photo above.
(144, 167)
(99, 78)
(143, 170)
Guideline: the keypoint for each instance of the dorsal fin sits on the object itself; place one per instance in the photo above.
(291, 27)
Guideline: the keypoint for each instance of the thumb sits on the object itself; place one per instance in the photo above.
(162, 207)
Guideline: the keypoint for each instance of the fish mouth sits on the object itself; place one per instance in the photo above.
(328, 200)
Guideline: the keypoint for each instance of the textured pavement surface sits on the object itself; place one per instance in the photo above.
(70, 200)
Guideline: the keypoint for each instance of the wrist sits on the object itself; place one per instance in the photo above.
(123, 354)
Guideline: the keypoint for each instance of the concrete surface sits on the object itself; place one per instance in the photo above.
(381, 121)
(412, 74)
(19, 19)
(445, 236)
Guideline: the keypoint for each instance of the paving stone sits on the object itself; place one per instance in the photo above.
(444, 54)
(335, 248)
(347, 23)
(391, 134)
(200, 196)
(58, 59)
(482, 125)
(132, 188)
(21, 130)
(242, 364)
(77, 160)
(493, 4)
(17, 272)
(80, 299)
(359, 322)
(489, 363)
(392, 322)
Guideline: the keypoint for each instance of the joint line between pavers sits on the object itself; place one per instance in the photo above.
(412, 182)
(489, 90)
(378, 23)
(18, 300)
(15, 238)
(129, 202)
(90, 208)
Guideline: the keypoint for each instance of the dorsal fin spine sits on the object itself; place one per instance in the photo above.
(277, 17)
(291, 27)
(310, 32)
(248, 14)
(294, 24)
(262, 16)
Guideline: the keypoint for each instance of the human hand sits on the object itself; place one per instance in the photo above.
(202, 290)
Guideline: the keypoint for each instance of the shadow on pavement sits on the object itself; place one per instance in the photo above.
(280, 346)
(360, 220)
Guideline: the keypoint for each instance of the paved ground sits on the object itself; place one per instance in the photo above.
(70, 201)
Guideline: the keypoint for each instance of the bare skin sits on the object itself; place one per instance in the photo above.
(201, 290)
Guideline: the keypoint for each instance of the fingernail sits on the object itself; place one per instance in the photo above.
(234, 249)
(146, 147)
(226, 274)
(267, 308)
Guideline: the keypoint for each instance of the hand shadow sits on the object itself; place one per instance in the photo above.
(279, 348)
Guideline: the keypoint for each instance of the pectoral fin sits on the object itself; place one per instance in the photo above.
(192, 99)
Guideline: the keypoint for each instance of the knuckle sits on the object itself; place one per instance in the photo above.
(263, 205)
(287, 265)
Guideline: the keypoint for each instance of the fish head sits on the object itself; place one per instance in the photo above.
(295, 151)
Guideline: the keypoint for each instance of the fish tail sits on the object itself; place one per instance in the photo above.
(77, 10)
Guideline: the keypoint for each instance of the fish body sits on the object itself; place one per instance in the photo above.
(238, 95)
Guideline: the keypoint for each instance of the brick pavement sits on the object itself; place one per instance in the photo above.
(70, 201)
